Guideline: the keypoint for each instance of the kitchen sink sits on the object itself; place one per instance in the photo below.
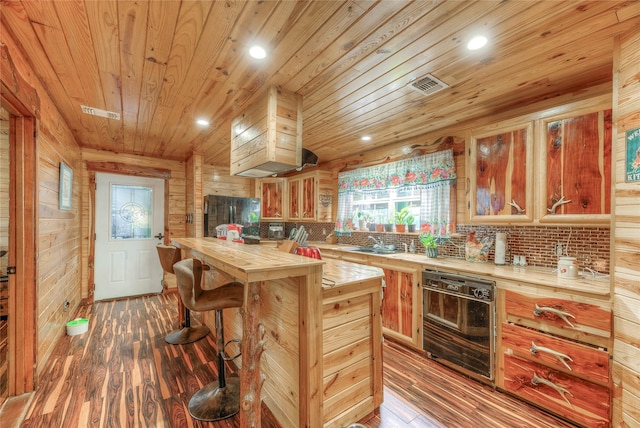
(372, 250)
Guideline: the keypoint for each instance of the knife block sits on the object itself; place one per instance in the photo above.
(288, 246)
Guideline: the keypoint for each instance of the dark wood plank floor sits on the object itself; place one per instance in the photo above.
(122, 373)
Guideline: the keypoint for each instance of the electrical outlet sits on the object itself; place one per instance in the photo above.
(558, 249)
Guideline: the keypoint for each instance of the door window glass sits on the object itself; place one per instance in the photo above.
(131, 212)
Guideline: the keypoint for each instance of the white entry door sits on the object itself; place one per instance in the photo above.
(129, 225)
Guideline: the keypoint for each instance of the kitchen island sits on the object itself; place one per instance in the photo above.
(312, 325)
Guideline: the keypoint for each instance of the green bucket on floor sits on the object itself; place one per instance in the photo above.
(77, 326)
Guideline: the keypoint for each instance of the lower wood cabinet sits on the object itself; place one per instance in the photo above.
(566, 395)
(402, 304)
(402, 295)
(554, 353)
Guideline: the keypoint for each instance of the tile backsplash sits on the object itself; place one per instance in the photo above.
(590, 245)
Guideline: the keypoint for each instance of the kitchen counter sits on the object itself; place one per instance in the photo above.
(533, 275)
(318, 329)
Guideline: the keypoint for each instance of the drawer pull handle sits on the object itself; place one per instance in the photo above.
(535, 380)
(559, 355)
(539, 310)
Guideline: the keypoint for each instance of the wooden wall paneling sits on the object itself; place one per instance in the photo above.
(218, 181)
(626, 236)
(58, 245)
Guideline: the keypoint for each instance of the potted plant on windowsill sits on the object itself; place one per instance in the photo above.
(430, 243)
(401, 218)
(411, 227)
(388, 226)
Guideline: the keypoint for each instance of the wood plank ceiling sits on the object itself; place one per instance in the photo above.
(163, 64)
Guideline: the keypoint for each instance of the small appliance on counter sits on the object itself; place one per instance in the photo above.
(313, 252)
(568, 267)
(276, 231)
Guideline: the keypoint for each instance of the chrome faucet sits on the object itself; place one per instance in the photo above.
(380, 243)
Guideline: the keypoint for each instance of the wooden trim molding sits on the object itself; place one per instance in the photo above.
(128, 169)
(22, 254)
(22, 102)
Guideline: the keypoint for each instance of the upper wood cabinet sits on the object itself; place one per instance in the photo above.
(552, 167)
(502, 184)
(575, 173)
(308, 197)
(271, 193)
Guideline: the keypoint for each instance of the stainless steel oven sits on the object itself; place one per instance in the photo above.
(459, 322)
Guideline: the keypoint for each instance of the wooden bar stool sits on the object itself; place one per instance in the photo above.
(169, 255)
(217, 400)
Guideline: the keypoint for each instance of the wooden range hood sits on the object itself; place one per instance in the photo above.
(266, 139)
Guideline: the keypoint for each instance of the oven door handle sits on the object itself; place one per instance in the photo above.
(455, 284)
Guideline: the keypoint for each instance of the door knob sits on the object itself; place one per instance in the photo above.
(159, 235)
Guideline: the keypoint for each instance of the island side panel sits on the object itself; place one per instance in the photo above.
(310, 293)
(352, 345)
(279, 364)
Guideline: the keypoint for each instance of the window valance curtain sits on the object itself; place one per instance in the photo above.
(425, 171)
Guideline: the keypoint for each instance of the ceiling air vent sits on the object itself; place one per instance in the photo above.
(99, 112)
(428, 85)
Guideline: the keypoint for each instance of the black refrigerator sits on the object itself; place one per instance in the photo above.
(231, 209)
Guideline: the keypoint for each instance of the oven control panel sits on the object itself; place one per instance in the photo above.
(463, 285)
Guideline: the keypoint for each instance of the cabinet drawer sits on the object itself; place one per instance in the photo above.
(580, 359)
(576, 320)
(576, 399)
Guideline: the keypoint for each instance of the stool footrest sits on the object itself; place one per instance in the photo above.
(187, 335)
(213, 403)
(225, 347)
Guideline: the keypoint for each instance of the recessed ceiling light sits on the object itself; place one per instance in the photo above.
(202, 122)
(476, 43)
(366, 138)
(257, 52)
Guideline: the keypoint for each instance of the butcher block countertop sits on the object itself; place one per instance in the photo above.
(533, 275)
(338, 273)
